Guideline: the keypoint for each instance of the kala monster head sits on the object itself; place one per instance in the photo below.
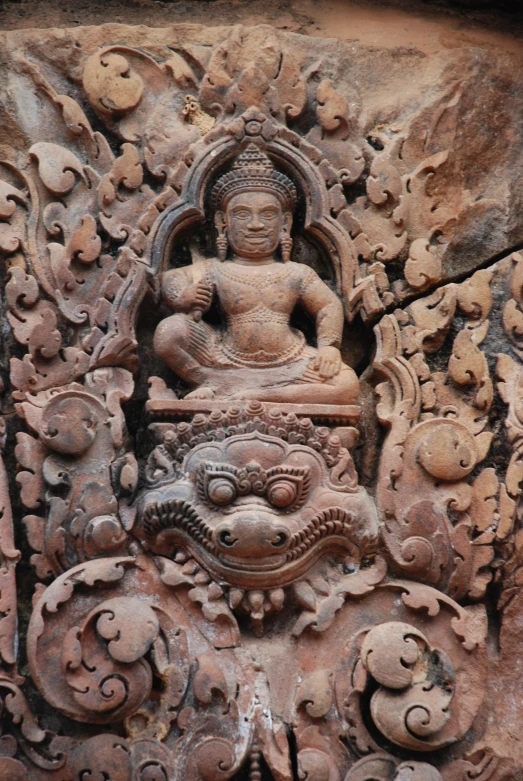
(256, 504)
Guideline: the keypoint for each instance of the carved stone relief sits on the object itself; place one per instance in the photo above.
(238, 558)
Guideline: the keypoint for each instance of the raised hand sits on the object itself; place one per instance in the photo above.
(202, 299)
(197, 298)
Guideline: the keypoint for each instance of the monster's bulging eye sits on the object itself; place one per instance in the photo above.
(282, 493)
(221, 491)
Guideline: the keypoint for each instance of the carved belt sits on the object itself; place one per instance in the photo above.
(260, 314)
(264, 359)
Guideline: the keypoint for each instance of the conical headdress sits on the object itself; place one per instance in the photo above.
(252, 170)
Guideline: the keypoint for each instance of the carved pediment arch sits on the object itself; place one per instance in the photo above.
(301, 161)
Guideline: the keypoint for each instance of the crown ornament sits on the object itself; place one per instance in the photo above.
(253, 170)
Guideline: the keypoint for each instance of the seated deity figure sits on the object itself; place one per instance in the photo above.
(255, 353)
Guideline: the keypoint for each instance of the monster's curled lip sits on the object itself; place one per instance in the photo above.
(176, 517)
(267, 564)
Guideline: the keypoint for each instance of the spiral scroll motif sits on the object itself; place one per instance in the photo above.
(100, 674)
(417, 685)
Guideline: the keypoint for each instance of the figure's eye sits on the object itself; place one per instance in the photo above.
(269, 214)
(282, 493)
(241, 214)
(221, 491)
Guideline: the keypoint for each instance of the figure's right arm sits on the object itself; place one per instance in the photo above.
(183, 293)
(174, 288)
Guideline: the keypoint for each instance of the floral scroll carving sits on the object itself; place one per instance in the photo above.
(438, 437)
(267, 567)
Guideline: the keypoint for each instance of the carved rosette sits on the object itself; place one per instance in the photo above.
(228, 588)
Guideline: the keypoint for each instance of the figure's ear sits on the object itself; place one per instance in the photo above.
(287, 223)
(285, 240)
(221, 239)
(219, 221)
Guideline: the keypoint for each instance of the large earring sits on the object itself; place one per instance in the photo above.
(286, 247)
(222, 245)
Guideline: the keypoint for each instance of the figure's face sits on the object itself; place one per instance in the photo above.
(255, 222)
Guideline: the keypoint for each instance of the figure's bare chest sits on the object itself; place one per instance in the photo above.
(240, 289)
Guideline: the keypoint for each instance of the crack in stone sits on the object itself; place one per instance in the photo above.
(456, 280)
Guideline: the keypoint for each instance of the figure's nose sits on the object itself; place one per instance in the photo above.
(255, 223)
(251, 535)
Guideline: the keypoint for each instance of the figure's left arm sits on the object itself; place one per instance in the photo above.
(322, 304)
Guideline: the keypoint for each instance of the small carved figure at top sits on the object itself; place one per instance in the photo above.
(255, 354)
